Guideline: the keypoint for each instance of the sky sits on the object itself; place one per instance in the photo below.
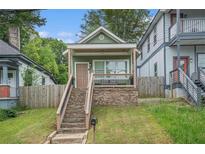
(64, 24)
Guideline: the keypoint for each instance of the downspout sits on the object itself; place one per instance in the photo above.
(195, 60)
(165, 77)
(178, 40)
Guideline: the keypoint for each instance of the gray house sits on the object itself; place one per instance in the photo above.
(12, 66)
(173, 47)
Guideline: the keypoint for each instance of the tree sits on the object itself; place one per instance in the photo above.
(26, 20)
(92, 20)
(48, 52)
(127, 24)
(42, 54)
(58, 47)
(29, 76)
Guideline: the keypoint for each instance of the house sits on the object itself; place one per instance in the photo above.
(173, 47)
(102, 70)
(13, 65)
(104, 54)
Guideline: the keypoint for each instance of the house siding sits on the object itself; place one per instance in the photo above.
(156, 53)
(96, 40)
(23, 66)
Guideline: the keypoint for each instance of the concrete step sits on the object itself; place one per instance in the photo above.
(75, 107)
(76, 138)
(74, 120)
(75, 111)
(72, 130)
(73, 125)
(76, 115)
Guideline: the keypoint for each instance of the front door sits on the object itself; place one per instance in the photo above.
(184, 65)
(81, 75)
(12, 82)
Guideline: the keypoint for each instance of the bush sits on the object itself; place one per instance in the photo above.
(7, 113)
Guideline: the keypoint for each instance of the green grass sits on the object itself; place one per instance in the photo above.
(32, 126)
(149, 123)
(185, 124)
(128, 124)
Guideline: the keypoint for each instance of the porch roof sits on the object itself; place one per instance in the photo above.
(85, 47)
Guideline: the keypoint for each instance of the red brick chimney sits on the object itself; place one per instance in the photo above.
(14, 36)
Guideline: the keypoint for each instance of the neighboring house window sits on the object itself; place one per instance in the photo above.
(43, 80)
(155, 35)
(155, 69)
(148, 44)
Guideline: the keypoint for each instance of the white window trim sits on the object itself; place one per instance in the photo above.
(125, 60)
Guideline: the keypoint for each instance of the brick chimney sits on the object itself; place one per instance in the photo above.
(14, 36)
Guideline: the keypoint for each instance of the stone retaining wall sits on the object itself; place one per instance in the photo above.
(115, 96)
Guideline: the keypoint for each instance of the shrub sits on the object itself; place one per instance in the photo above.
(7, 113)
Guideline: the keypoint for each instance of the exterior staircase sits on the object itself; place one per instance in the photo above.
(202, 87)
(73, 128)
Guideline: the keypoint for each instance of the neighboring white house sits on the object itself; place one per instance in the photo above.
(13, 65)
(158, 46)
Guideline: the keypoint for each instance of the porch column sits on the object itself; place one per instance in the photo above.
(178, 39)
(69, 62)
(5, 74)
(134, 68)
(17, 81)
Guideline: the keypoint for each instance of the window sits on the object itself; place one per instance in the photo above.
(43, 80)
(148, 44)
(155, 69)
(111, 66)
(155, 35)
(201, 60)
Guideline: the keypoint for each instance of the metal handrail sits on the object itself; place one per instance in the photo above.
(64, 101)
(188, 85)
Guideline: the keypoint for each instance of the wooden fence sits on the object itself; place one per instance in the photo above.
(50, 96)
(150, 86)
(41, 96)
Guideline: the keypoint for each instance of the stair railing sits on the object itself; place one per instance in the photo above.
(201, 76)
(88, 100)
(187, 83)
(64, 101)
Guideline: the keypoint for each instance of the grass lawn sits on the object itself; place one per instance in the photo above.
(33, 126)
(149, 123)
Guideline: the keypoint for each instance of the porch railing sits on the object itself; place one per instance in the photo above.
(188, 25)
(187, 84)
(113, 79)
(88, 99)
(64, 101)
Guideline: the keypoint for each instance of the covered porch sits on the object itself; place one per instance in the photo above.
(112, 66)
(9, 82)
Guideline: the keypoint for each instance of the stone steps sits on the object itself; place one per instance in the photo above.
(76, 138)
(73, 125)
(78, 115)
(72, 130)
(74, 119)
